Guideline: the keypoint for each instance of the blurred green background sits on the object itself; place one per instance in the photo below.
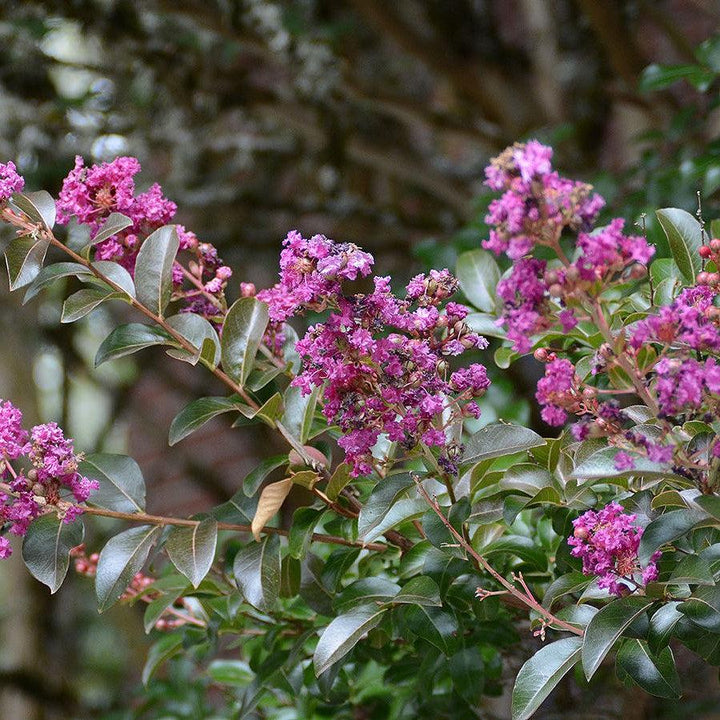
(366, 120)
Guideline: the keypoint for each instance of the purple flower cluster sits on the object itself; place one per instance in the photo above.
(55, 470)
(607, 541)
(10, 181)
(683, 384)
(383, 361)
(558, 391)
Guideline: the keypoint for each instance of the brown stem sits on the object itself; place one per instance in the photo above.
(525, 597)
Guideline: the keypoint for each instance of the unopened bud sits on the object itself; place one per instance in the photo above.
(715, 245)
(703, 278)
(551, 277)
(704, 252)
(541, 354)
(555, 290)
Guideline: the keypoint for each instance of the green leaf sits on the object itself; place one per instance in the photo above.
(601, 464)
(381, 499)
(526, 478)
(421, 590)
(24, 257)
(539, 676)
(565, 585)
(439, 628)
(162, 650)
(684, 236)
(658, 77)
(343, 633)
(520, 546)
(53, 272)
(38, 206)
(655, 674)
(122, 486)
(122, 557)
(192, 549)
(703, 608)
(606, 627)
(194, 415)
(255, 478)
(504, 357)
(467, 670)
(157, 607)
(257, 572)
(662, 625)
(236, 673)
(693, 570)
(338, 481)
(478, 274)
(665, 529)
(198, 332)
(299, 412)
(153, 269)
(499, 440)
(366, 591)
(46, 548)
(271, 499)
(130, 338)
(242, 334)
(117, 274)
(115, 223)
(305, 519)
(84, 301)
(484, 324)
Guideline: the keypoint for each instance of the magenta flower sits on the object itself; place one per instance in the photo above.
(10, 181)
(13, 437)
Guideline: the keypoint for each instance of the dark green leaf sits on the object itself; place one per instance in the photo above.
(684, 236)
(467, 670)
(199, 333)
(53, 272)
(478, 273)
(162, 650)
(84, 301)
(655, 674)
(236, 673)
(343, 633)
(662, 624)
(197, 413)
(122, 557)
(420, 590)
(116, 274)
(46, 548)
(573, 582)
(153, 268)
(130, 338)
(243, 331)
(341, 477)
(539, 676)
(692, 570)
(255, 478)
(439, 628)
(301, 531)
(122, 487)
(703, 608)
(606, 627)
(520, 546)
(192, 549)
(601, 464)
(499, 440)
(24, 257)
(299, 412)
(38, 206)
(665, 529)
(366, 591)
(257, 572)
(382, 498)
(115, 223)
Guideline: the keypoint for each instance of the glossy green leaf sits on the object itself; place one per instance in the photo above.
(116, 274)
(255, 478)
(115, 223)
(243, 331)
(257, 572)
(693, 570)
(24, 258)
(601, 464)
(662, 625)
(606, 627)
(162, 650)
(526, 478)
(235, 673)
(38, 206)
(574, 582)
(153, 269)
(46, 548)
(84, 301)
(485, 324)
(305, 519)
(299, 412)
(381, 499)
(478, 274)
(434, 625)
(53, 272)
(122, 557)
(665, 529)
(343, 633)
(366, 591)
(655, 674)
(122, 486)
(539, 676)
(199, 333)
(128, 339)
(192, 549)
(703, 608)
(498, 440)
(684, 236)
(520, 546)
(421, 590)
(194, 415)
(340, 478)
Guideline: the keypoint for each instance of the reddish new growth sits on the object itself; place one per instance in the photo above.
(51, 481)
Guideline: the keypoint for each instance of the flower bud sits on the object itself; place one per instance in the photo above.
(715, 245)
(541, 355)
(555, 290)
(704, 252)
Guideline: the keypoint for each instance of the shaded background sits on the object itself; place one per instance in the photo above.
(367, 120)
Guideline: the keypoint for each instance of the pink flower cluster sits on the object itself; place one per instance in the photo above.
(607, 541)
(383, 361)
(91, 194)
(10, 181)
(54, 471)
(536, 206)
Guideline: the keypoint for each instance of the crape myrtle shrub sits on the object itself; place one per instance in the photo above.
(432, 542)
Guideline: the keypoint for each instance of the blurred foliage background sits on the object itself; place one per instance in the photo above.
(368, 121)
